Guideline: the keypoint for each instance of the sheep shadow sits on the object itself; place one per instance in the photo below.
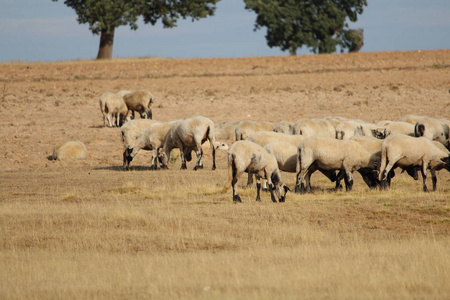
(121, 169)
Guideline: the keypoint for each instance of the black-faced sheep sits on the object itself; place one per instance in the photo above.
(112, 106)
(139, 101)
(70, 149)
(191, 134)
(129, 133)
(245, 128)
(246, 156)
(405, 151)
(324, 153)
(433, 129)
(398, 127)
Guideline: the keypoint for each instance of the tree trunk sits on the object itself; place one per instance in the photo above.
(106, 44)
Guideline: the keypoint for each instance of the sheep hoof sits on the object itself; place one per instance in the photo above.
(183, 167)
(236, 198)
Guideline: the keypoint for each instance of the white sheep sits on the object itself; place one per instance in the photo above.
(330, 154)
(139, 101)
(335, 121)
(398, 127)
(433, 129)
(129, 133)
(69, 149)
(245, 128)
(314, 127)
(225, 130)
(264, 137)
(246, 156)
(405, 151)
(284, 127)
(411, 118)
(189, 135)
(151, 139)
(348, 129)
(112, 105)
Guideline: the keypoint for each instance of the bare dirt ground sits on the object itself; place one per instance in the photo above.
(92, 208)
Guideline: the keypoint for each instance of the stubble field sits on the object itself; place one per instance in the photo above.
(87, 229)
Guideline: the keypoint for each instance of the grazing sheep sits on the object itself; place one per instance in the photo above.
(398, 127)
(262, 138)
(151, 139)
(314, 127)
(433, 129)
(139, 101)
(191, 134)
(225, 130)
(411, 118)
(70, 149)
(284, 127)
(112, 105)
(129, 133)
(245, 128)
(246, 156)
(370, 176)
(406, 151)
(335, 121)
(330, 154)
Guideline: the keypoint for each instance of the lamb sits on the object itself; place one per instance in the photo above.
(406, 151)
(245, 128)
(330, 154)
(191, 134)
(284, 127)
(131, 131)
(113, 105)
(139, 101)
(393, 128)
(151, 139)
(312, 127)
(70, 149)
(433, 129)
(246, 156)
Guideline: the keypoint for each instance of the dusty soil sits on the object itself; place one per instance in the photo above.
(42, 104)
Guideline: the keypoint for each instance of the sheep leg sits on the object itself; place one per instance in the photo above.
(183, 159)
(214, 157)
(348, 181)
(434, 179)
(258, 189)
(127, 158)
(249, 180)
(424, 176)
(234, 181)
(272, 196)
(199, 153)
(155, 157)
(384, 174)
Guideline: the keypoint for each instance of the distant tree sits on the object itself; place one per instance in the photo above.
(319, 25)
(104, 16)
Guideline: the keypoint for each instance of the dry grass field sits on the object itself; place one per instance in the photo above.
(86, 229)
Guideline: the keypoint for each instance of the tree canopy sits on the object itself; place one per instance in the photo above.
(104, 16)
(320, 25)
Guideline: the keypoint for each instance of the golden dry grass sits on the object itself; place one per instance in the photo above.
(88, 230)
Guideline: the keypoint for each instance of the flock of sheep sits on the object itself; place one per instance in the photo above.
(335, 146)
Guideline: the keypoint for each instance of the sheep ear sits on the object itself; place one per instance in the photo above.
(286, 189)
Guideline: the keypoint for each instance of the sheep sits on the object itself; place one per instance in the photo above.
(151, 139)
(311, 127)
(139, 101)
(264, 137)
(225, 130)
(191, 134)
(411, 119)
(69, 149)
(347, 129)
(245, 128)
(399, 127)
(246, 156)
(335, 121)
(406, 151)
(284, 127)
(131, 131)
(433, 129)
(330, 154)
(113, 105)
(370, 176)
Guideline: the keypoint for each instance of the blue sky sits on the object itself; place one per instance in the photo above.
(42, 30)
